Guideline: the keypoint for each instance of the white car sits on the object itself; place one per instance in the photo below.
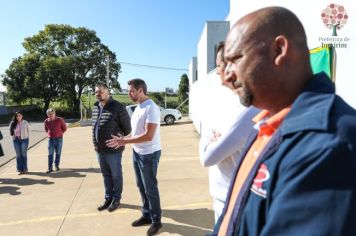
(169, 116)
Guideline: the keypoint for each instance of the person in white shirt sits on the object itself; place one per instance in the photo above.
(219, 151)
(145, 139)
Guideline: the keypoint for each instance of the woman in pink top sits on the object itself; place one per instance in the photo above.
(19, 130)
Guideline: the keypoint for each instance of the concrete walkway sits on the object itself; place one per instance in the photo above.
(65, 202)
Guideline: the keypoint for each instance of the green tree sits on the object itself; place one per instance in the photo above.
(183, 88)
(157, 97)
(59, 63)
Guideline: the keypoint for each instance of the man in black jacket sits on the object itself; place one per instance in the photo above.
(109, 118)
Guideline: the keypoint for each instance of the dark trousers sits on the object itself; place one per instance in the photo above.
(111, 169)
(145, 167)
(54, 145)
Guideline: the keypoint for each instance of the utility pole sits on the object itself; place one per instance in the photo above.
(89, 95)
(165, 100)
(107, 70)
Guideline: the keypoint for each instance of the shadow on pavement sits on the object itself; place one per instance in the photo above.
(24, 181)
(20, 182)
(67, 173)
(195, 220)
(10, 190)
(183, 230)
(203, 218)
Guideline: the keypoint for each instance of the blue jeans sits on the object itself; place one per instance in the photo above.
(21, 146)
(111, 169)
(54, 145)
(145, 167)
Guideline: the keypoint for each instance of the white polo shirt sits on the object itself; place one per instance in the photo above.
(146, 112)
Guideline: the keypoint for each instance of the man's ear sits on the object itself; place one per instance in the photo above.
(281, 47)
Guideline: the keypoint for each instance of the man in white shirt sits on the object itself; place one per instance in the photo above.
(145, 139)
(219, 149)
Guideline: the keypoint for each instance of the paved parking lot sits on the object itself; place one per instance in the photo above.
(65, 202)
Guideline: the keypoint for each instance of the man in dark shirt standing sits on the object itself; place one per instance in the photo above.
(55, 127)
(109, 118)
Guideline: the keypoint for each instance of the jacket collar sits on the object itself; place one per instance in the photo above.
(312, 107)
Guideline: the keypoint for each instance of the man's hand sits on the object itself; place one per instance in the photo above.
(115, 142)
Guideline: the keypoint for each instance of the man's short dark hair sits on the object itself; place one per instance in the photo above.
(137, 84)
(102, 85)
(220, 47)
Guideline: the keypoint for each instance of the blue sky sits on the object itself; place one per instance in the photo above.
(152, 32)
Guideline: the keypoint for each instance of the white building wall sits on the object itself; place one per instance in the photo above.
(202, 54)
(193, 104)
(310, 15)
(213, 33)
(195, 111)
(193, 70)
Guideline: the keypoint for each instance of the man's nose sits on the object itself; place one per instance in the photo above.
(229, 75)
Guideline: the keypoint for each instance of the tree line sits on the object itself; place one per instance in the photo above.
(59, 63)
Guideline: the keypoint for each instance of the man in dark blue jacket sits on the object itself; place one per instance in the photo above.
(297, 175)
(109, 118)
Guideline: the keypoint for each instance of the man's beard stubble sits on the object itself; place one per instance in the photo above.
(246, 98)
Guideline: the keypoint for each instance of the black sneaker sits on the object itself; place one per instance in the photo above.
(114, 205)
(57, 168)
(154, 228)
(49, 171)
(141, 221)
(105, 205)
